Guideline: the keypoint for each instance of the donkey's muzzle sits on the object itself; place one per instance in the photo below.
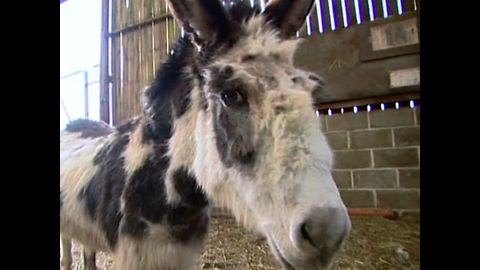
(321, 232)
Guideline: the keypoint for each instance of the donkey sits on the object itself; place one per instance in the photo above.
(228, 120)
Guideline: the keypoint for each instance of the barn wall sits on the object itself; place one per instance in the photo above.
(337, 46)
(353, 70)
(377, 153)
(143, 33)
(377, 157)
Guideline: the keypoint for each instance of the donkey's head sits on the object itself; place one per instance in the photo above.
(259, 148)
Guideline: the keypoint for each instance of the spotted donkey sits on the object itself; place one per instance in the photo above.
(229, 120)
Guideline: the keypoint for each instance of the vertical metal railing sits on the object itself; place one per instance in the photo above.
(86, 86)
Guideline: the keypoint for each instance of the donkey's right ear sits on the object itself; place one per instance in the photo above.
(206, 20)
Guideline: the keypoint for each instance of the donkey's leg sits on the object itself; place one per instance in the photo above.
(89, 258)
(66, 260)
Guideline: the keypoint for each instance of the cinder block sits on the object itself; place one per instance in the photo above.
(409, 178)
(391, 118)
(358, 198)
(371, 139)
(395, 158)
(337, 140)
(347, 121)
(342, 179)
(375, 179)
(407, 136)
(352, 159)
(398, 199)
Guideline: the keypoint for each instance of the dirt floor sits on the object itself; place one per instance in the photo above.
(374, 243)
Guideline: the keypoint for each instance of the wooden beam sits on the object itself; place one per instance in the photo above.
(104, 67)
(369, 101)
(141, 24)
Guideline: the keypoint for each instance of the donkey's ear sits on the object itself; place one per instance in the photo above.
(287, 15)
(206, 20)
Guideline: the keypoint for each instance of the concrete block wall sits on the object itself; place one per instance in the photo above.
(377, 157)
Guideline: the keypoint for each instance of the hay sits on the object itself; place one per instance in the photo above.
(375, 243)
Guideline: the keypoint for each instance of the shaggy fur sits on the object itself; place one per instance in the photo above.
(229, 120)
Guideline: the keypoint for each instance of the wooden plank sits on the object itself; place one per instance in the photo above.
(325, 15)
(377, 9)
(132, 63)
(337, 13)
(148, 45)
(159, 33)
(353, 12)
(136, 58)
(369, 101)
(147, 57)
(302, 32)
(120, 18)
(317, 26)
(347, 76)
(364, 11)
(128, 51)
(408, 5)
(159, 48)
(138, 70)
(104, 57)
(173, 32)
(162, 6)
(132, 12)
(123, 78)
(135, 73)
(123, 13)
(115, 77)
(314, 20)
(155, 7)
(351, 16)
(392, 7)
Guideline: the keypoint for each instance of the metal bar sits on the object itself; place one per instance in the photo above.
(97, 81)
(85, 78)
(65, 109)
(71, 74)
(141, 24)
(104, 60)
(77, 72)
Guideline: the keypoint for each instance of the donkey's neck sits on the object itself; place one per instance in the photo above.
(171, 111)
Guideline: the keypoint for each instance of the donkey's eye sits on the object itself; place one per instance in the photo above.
(231, 97)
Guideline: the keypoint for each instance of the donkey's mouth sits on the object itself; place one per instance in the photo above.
(286, 265)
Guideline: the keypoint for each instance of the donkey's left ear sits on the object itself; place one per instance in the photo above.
(287, 15)
(206, 20)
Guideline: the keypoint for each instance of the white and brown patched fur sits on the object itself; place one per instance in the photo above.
(228, 120)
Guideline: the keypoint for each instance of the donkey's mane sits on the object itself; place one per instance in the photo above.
(168, 95)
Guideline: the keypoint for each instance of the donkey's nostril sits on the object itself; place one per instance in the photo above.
(323, 230)
(305, 230)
